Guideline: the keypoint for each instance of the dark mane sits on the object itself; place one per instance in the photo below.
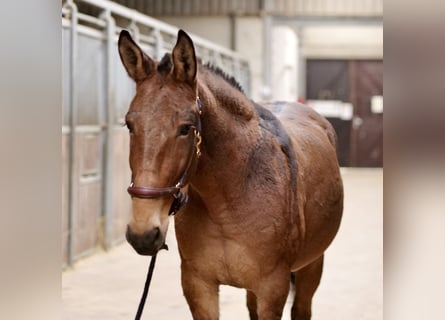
(165, 66)
(218, 71)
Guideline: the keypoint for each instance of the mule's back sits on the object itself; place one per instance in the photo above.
(296, 116)
(312, 135)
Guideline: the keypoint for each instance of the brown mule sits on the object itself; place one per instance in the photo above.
(265, 192)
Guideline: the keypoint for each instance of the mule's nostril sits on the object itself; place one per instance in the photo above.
(152, 236)
(147, 243)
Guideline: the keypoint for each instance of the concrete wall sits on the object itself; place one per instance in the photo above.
(249, 43)
(324, 42)
(215, 29)
(284, 64)
(248, 39)
(344, 42)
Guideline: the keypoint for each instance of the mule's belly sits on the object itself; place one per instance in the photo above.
(322, 213)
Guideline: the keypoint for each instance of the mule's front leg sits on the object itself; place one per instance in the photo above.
(201, 295)
(271, 296)
(251, 305)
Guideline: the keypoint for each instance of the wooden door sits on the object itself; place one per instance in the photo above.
(367, 126)
(360, 140)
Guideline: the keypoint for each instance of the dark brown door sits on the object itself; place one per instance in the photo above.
(360, 141)
(329, 80)
(367, 126)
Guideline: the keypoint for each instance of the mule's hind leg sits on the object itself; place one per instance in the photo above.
(307, 280)
(252, 305)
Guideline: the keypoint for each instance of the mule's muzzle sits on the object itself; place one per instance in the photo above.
(148, 243)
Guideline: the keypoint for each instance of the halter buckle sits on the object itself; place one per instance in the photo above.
(198, 143)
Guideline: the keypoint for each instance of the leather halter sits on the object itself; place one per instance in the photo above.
(180, 199)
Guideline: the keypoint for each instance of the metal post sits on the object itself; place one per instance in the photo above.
(134, 30)
(301, 66)
(107, 198)
(73, 120)
(267, 57)
(158, 44)
(266, 91)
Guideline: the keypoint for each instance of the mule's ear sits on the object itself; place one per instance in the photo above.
(184, 59)
(135, 61)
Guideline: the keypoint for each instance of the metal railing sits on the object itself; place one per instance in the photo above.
(257, 7)
(96, 96)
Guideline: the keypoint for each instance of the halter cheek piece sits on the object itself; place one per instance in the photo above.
(180, 199)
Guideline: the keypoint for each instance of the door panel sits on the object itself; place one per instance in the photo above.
(360, 141)
(329, 80)
(367, 129)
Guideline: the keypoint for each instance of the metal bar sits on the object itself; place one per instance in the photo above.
(267, 57)
(90, 178)
(134, 30)
(72, 124)
(162, 26)
(130, 13)
(89, 129)
(65, 11)
(158, 43)
(306, 21)
(90, 19)
(301, 62)
(84, 30)
(107, 194)
(145, 39)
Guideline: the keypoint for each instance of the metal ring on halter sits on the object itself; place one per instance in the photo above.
(198, 143)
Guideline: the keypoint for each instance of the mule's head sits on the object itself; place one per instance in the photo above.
(161, 120)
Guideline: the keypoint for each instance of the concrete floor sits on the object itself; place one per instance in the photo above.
(108, 285)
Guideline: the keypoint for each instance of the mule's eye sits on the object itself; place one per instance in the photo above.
(184, 129)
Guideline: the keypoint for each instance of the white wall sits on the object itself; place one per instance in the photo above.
(284, 64)
(249, 43)
(344, 42)
(215, 29)
(327, 42)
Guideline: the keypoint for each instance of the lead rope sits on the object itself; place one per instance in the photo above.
(179, 201)
(146, 287)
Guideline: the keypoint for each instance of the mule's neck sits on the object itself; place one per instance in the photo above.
(229, 132)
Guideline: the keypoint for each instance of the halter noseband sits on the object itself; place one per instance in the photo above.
(180, 199)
